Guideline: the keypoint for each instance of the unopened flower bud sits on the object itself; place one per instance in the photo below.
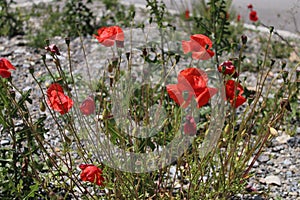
(12, 93)
(127, 55)
(145, 53)
(177, 58)
(110, 68)
(111, 79)
(47, 41)
(44, 57)
(272, 62)
(244, 39)
(115, 62)
(31, 69)
(67, 40)
(271, 29)
(285, 104)
(285, 75)
(283, 64)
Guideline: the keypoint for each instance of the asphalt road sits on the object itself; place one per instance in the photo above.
(282, 14)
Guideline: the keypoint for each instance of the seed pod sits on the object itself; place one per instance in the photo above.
(273, 131)
(42, 106)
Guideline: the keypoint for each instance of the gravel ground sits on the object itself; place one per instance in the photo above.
(277, 171)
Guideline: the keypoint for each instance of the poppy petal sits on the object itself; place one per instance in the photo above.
(186, 46)
(87, 107)
(7, 64)
(203, 40)
(4, 73)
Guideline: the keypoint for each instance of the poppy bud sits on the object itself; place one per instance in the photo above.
(187, 14)
(127, 55)
(47, 41)
(244, 39)
(272, 62)
(132, 14)
(271, 29)
(12, 93)
(177, 58)
(286, 105)
(285, 75)
(283, 64)
(44, 57)
(115, 62)
(31, 69)
(111, 81)
(110, 68)
(67, 40)
(145, 53)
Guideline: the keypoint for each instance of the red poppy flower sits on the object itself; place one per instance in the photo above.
(200, 46)
(250, 6)
(53, 49)
(191, 82)
(57, 100)
(108, 35)
(5, 66)
(187, 14)
(190, 127)
(227, 68)
(88, 107)
(230, 84)
(91, 173)
(238, 18)
(253, 16)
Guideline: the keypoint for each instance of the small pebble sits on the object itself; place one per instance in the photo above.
(273, 180)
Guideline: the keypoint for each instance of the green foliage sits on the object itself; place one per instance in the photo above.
(19, 162)
(33, 167)
(11, 21)
(78, 17)
(117, 13)
(75, 18)
(211, 19)
(158, 13)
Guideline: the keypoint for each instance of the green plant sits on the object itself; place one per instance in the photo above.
(117, 13)
(212, 19)
(160, 122)
(78, 17)
(19, 164)
(75, 19)
(12, 21)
